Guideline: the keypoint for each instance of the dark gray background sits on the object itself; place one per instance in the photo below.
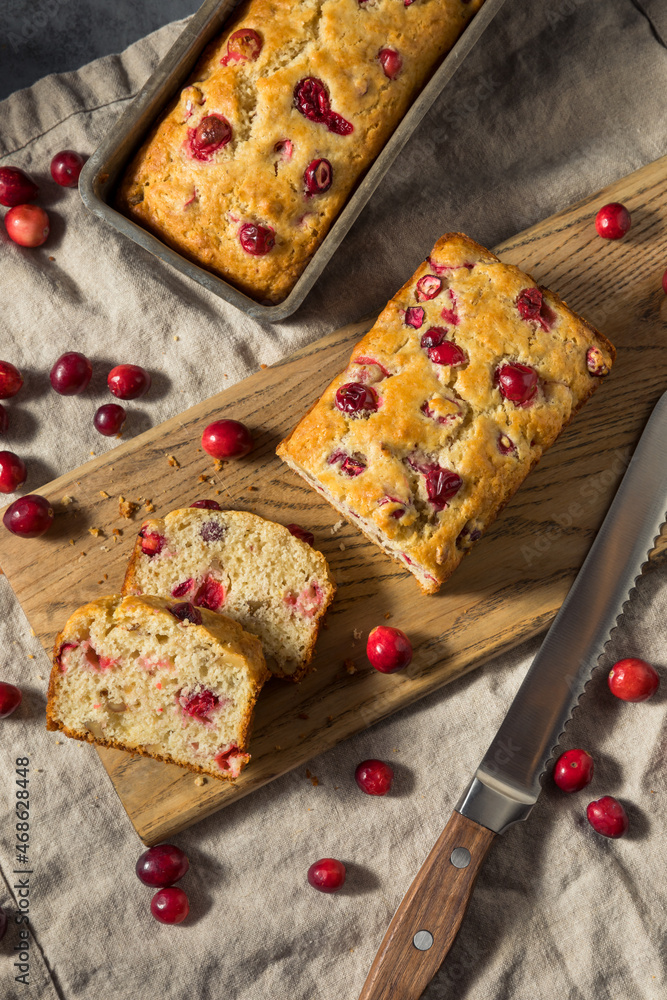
(50, 36)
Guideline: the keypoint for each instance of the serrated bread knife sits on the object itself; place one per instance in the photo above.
(506, 784)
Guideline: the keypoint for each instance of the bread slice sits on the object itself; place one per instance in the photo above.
(163, 679)
(255, 571)
(468, 375)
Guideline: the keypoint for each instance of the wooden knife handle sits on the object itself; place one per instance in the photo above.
(432, 908)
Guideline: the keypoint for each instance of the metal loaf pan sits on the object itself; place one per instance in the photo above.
(99, 175)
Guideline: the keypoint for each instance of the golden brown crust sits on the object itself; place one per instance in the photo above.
(217, 626)
(198, 206)
(432, 416)
(160, 526)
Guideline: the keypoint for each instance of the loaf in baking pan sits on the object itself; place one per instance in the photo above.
(163, 679)
(247, 169)
(467, 377)
(250, 569)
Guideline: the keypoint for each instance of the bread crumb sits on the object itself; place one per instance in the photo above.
(266, 366)
(342, 547)
(337, 526)
(218, 492)
(176, 337)
(387, 616)
(149, 506)
(277, 747)
(203, 478)
(116, 532)
(219, 464)
(95, 532)
(53, 258)
(329, 718)
(200, 779)
(106, 576)
(127, 508)
(253, 489)
(71, 541)
(67, 500)
(173, 462)
(104, 494)
(32, 632)
(31, 656)
(350, 666)
(314, 781)
(357, 633)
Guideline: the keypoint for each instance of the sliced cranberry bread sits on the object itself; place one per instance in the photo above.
(255, 571)
(159, 678)
(469, 374)
(250, 164)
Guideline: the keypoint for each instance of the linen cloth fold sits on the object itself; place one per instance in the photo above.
(554, 102)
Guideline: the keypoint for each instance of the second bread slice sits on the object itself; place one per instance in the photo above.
(253, 570)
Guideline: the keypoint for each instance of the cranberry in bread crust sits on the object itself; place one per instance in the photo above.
(250, 569)
(250, 165)
(163, 679)
(467, 377)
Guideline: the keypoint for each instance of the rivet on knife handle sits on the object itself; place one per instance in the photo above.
(425, 925)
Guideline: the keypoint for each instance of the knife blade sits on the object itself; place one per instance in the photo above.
(506, 785)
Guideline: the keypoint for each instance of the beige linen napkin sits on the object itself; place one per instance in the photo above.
(557, 100)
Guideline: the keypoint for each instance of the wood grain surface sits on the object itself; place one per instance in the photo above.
(507, 589)
(435, 902)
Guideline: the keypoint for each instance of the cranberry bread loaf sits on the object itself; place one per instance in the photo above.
(161, 679)
(250, 165)
(467, 377)
(253, 570)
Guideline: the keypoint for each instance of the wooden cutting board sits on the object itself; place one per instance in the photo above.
(507, 589)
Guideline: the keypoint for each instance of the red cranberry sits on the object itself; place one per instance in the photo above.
(4, 420)
(227, 439)
(613, 221)
(633, 680)
(505, 444)
(27, 225)
(29, 516)
(16, 188)
(151, 543)
(200, 705)
(414, 316)
(595, 363)
(306, 536)
(516, 382)
(181, 589)
(10, 699)
(211, 594)
(428, 287)
(71, 374)
(212, 133)
(327, 875)
(441, 486)
(354, 398)
(66, 167)
(374, 777)
(206, 504)
(128, 381)
(388, 649)
(162, 865)
(391, 62)
(256, 240)
(244, 45)
(607, 816)
(109, 419)
(318, 177)
(12, 472)
(531, 305)
(433, 336)
(11, 380)
(337, 124)
(186, 612)
(231, 761)
(311, 99)
(351, 465)
(212, 531)
(573, 770)
(447, 353)
(170, 905)
(285, 149)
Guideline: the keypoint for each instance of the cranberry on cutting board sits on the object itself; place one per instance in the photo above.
(227, 439)
(388, 649)
(29, 516)
(613, 221)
